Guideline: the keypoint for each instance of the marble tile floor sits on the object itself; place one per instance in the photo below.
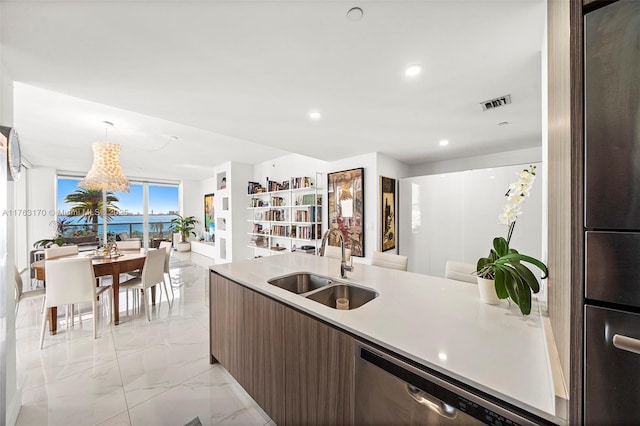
(136, 373)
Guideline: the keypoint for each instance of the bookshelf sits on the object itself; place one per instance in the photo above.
(289, 216)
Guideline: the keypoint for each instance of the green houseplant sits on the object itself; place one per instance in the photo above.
(184, 225)
(504, 265)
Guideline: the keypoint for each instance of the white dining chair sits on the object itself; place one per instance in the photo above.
(389, 260)
(51, 252)
(129, 245)
(71, 281)
(336, 253)
(152, 274)
(58, 251)
(461, 271)
(24, 295)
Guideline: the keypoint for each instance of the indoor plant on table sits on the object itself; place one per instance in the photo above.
(185, 226)
(512, 279)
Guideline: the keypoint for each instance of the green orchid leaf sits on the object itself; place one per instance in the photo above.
(482, 262)
(524, 302)
(512, 257)
(527, 276)
(501, 289)
(511, 285)
(501, 246)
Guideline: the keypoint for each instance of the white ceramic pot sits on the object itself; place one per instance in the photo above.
(183, 246)
(487, 290)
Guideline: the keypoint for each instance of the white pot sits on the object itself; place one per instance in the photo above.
(183, 246)
(487, 290)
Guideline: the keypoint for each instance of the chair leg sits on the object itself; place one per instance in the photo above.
(169, 301)
(167, 277)
(44, 326)
(17, 306)
(112, 307)
(42, 307)
(95, 318)
(147, 306)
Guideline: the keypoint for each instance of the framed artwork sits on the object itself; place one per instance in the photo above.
(387, 213)
(346, 208)
(209, 218)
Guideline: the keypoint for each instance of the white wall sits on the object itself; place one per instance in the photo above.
(507, 158)
(10, 396)
(458, 217)
(289, 166)
(193, 200)
(392, 168)
(41, 197)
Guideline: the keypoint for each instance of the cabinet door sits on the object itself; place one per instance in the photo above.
(246, 334)
(219, 318)
(263, 352)
(319, 372)
(611, 367)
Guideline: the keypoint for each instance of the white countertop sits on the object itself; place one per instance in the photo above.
(436, 322)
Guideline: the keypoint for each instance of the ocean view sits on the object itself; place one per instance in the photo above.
(158, 224)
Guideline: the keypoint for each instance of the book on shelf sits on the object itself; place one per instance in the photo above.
(273, 185)
(259, 241)
(280, 231)
(278, 201)
(301, 182)
(254, 188)
(309, 214)
(257, 202)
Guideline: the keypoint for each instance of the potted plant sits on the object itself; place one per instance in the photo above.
(184, 226)
(511, 278)
(58, 227)
(47, 242)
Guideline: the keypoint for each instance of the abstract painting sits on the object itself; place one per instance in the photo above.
(346, 208)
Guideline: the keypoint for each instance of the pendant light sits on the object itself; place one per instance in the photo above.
(105, 173)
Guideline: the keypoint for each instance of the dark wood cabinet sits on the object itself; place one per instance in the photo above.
(298, 369)
(244, 327)
(319, 381)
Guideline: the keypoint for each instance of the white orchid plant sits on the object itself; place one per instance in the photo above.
(513, 280)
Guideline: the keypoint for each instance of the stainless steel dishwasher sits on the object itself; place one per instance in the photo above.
(390, 391)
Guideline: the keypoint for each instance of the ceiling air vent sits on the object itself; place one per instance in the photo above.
(495, 103)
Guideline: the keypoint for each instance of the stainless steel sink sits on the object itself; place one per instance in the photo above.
(298, 283)
(356, 296)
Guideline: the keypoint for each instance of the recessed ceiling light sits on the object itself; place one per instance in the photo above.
(442, 356)
(355, 14)
(444, 142)
(413, 70)
(315, 115)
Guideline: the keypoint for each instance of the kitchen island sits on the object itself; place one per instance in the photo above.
(433, 322)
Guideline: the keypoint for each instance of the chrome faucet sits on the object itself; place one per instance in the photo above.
(343, 264)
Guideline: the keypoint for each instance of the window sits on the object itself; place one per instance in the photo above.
(80, 210)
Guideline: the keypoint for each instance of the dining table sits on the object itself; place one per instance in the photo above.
(125, 261)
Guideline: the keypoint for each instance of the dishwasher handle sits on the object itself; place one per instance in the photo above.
(625, 343)
(431, 402)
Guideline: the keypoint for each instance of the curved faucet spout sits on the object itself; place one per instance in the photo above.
(343, 264)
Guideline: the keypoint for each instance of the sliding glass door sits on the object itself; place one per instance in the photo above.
(144, 212)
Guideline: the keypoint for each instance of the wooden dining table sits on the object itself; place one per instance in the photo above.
(128, 261)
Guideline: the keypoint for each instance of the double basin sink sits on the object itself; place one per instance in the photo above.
(333, 293)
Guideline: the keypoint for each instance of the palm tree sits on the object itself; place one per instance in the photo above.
(88, 204)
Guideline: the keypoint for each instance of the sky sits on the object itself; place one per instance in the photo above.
(162, 199)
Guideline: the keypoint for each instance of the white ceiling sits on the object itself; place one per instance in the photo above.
(235, 80)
